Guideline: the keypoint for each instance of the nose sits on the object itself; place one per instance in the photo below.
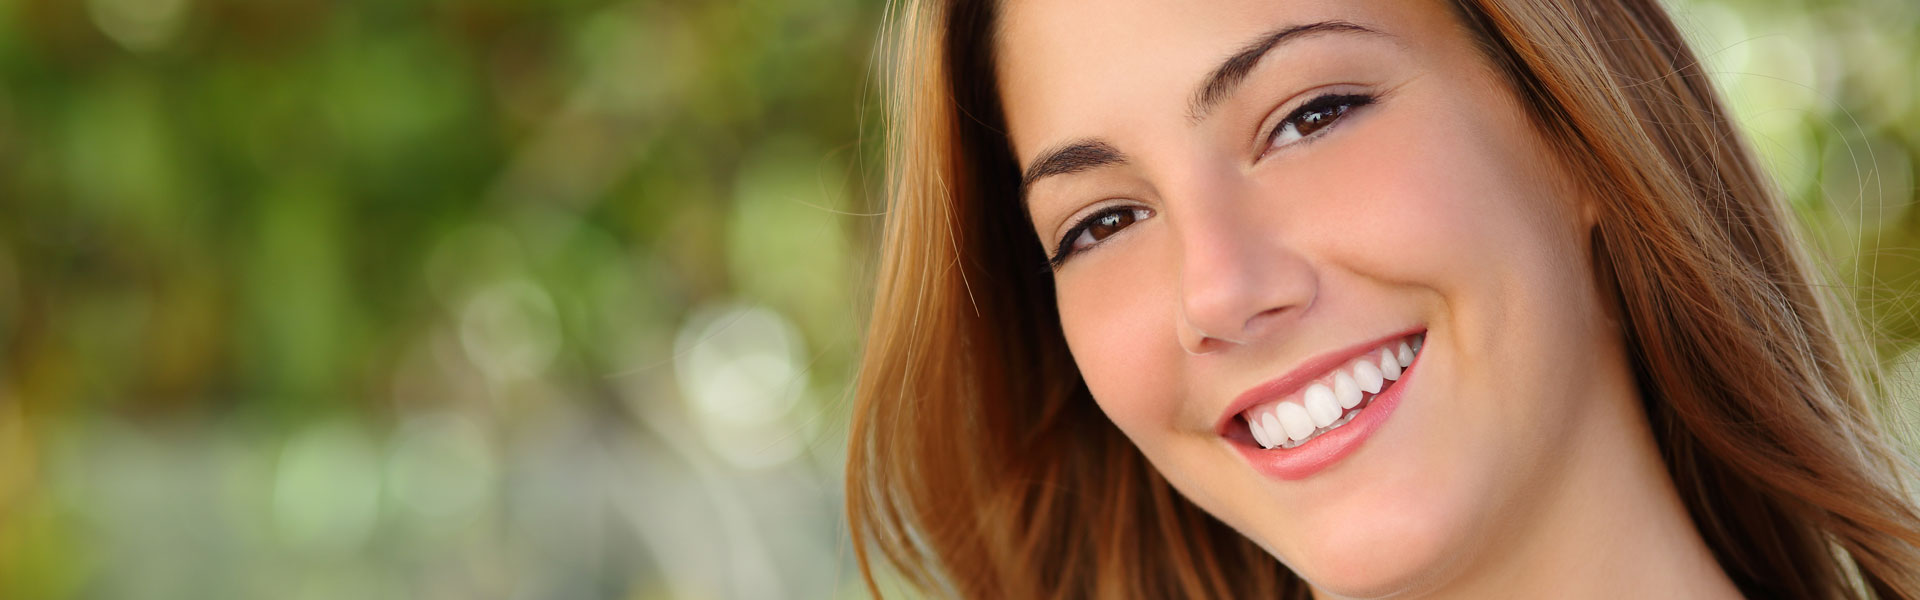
(1240, 281)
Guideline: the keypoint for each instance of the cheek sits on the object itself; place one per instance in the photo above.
(1474, 217)
(1120, 332)
(1464, 208)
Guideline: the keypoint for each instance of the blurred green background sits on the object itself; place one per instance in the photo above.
(518, 299)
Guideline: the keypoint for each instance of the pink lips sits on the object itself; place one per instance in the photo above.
(1324, 450)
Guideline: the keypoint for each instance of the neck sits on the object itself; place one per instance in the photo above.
(1610, 523)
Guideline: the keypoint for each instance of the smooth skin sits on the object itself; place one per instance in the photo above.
(1519, 464)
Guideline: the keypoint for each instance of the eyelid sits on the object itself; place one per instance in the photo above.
(1062, 245)
(1079, 217)
(1263, 134)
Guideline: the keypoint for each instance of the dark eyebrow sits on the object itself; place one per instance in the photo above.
(1235, 68)
(1071, 158)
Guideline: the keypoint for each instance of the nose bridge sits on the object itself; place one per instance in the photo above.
(1237, 271)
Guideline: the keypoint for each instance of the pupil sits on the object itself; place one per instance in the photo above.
(1108, 224)
(1314, 120)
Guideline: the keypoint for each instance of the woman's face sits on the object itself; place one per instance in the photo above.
(1256, 200)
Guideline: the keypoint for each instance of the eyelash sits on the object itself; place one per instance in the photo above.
(1338, 104)
(1065, 249)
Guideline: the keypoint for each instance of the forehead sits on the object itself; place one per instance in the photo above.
(1071, 68)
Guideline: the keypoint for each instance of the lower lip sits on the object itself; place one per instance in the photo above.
(1317, 454)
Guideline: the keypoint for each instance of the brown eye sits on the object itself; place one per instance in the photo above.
(1313, 121)
(1315, 116)
(1096, 228)
(1108, 224)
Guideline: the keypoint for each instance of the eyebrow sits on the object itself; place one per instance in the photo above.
(1073, 157)
(1235, 68)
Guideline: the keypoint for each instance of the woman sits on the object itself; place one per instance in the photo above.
(1351, 299)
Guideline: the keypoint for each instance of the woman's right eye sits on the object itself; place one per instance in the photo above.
(1095, 228)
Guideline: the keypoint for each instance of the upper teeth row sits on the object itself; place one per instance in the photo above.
(1328, 398)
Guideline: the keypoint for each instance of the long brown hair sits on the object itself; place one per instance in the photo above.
(980, 467)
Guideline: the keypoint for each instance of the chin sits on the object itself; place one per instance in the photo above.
(1398, 542)
(1374, 562)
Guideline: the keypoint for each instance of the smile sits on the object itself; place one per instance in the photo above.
(1324, 409)
(1332, 398)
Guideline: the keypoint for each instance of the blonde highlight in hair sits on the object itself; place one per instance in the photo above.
(980, 467)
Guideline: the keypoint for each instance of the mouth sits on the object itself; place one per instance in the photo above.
(1322, 397)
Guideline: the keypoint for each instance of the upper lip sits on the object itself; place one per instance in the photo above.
(1292, 381)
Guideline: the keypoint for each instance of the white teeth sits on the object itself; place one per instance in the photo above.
(1326, 406)
(1368, 376)
(1346, 390)
(1294, 418)
(1389, 366)
(1321, 405)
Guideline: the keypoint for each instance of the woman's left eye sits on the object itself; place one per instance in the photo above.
(1314, 116)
